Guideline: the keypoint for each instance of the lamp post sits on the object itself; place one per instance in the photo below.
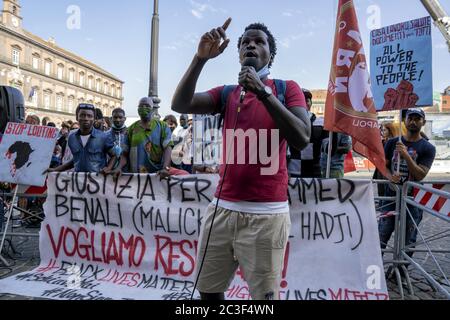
(153, 83)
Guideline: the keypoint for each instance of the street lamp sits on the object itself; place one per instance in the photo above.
(153, 83)
(440, 17)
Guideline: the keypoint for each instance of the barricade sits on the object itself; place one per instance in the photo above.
(433, 201)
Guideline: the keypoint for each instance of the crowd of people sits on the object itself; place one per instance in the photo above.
(256, 205)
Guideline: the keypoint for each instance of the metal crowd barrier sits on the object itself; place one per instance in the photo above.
(400, 250)
(406, 250)
(395, 265)
(8, 210)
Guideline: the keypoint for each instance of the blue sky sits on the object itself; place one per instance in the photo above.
(116, 36)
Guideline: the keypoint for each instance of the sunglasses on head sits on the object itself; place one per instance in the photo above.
(86, 106)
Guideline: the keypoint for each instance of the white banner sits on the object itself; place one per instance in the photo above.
(136, 238)
(25, 153)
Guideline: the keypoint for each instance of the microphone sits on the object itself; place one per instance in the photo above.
(246, 63)
(242, 96)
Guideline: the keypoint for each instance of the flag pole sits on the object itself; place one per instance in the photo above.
(330, 146)
(397, 169)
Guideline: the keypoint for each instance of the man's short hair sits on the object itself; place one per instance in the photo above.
(84, 106)
(118, 110)
(307, 93)
(65, 125)
(35, 118)
(270, 37)
(98, 114)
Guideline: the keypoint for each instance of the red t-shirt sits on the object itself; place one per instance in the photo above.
(244, 182)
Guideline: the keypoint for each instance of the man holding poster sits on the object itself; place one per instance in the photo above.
(414, 156)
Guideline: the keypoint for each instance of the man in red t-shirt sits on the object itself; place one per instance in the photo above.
(251, 212)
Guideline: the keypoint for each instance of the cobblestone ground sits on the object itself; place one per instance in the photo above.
(440, 271)
(26, 258)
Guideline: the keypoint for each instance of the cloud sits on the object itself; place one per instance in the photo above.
(199, 9)
(197, 14)
(89, 39)
(287, 41)
(312, 23)
(186, 41)
(170, 47)
(291, 13)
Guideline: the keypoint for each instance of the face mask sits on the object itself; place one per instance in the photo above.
(146, 113)
(117, 128)
(264, 72)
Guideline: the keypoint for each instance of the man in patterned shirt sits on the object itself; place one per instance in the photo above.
(150, 144)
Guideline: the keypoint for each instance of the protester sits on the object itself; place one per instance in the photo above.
(75, 126)
(182, 151)
(88, 145)
(172, 122)
(416, 158)
(45, 121)
(390, 131)
(33, 120)
(341, 145)
(306, 163)
(99, 122)
(254, 204)
(119, 135)
(64, 134)
(56, 157)
(150, 144)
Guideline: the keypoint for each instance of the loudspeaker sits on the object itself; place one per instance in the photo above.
(12, 107)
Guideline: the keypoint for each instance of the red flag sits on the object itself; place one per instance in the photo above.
(350, 107)
(349, 163)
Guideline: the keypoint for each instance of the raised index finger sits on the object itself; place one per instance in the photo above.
(226, 24)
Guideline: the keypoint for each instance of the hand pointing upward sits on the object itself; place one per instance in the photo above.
(213, 43)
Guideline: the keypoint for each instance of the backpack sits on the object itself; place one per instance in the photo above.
(280, 86)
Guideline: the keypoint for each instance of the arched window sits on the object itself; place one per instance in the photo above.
(71, 75)
(106, 87)
(48, 98)
(60, 71)
(48, 66)
(90, 82)
(35, 60)
(82, 79)
(70, 104)
(15, 54)
(59, 101)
